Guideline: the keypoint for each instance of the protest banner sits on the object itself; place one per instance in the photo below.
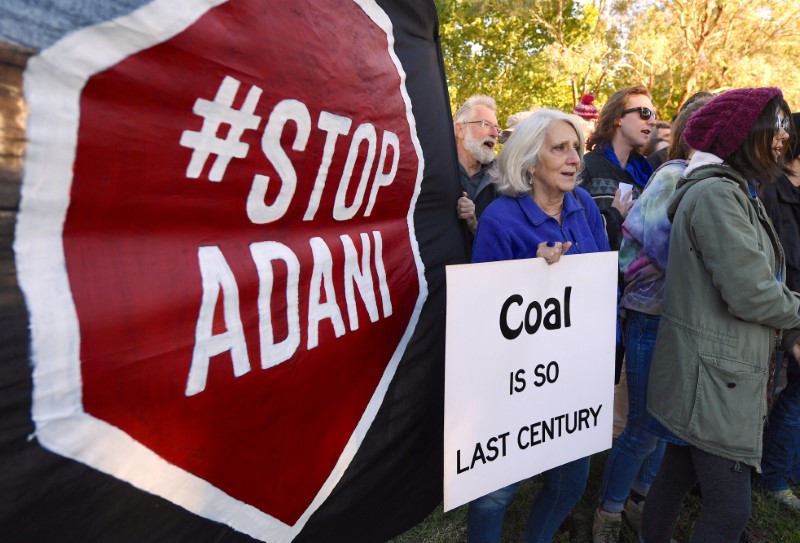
(232, 231)
(529, 369)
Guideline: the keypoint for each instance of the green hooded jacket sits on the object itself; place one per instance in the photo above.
(724, 312)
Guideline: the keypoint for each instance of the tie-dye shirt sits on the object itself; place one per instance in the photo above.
(645, 241)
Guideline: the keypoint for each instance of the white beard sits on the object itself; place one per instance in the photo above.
(479, 152)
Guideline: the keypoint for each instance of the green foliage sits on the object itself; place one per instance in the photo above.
(524, 53)
(529, 53)
(716, 45)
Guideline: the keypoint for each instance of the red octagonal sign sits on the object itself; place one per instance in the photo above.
(216, 244)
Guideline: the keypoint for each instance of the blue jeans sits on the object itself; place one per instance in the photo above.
(563, 487)
(782, 434)
(636, 455)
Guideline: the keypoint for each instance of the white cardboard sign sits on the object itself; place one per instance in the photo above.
(529, 369)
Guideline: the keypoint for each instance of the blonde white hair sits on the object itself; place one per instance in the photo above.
(463, 113)
(521, 152)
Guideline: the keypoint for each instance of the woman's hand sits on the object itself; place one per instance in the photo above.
(551, 251)
(623, 205)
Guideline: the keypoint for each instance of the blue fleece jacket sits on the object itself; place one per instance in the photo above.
(513, 227)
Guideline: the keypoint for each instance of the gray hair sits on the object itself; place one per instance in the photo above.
(465, 110)
(521, 152)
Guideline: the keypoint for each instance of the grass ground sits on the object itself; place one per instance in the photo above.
(770, 522)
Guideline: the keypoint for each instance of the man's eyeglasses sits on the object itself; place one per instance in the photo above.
(485, 124)
(782, 122)
(644, 112)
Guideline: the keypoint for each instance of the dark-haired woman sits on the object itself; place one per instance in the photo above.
(782, 435)
(636, 454)
(725, 308)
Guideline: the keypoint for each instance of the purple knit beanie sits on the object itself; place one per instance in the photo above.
(722, 125)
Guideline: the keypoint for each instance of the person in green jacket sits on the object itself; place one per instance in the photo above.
(725, 309)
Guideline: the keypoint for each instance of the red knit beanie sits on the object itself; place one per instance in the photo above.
(586, 109)
(722, 125)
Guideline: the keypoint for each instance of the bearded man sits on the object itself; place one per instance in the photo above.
(476, 132)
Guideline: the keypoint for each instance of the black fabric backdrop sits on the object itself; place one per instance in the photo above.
(394, 481)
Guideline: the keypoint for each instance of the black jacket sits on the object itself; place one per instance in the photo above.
(782, 202)
(601, 178)
(481, 191)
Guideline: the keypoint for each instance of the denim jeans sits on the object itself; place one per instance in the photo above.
(782, 434)
(562, 488)
(636, 454)
(724, 484)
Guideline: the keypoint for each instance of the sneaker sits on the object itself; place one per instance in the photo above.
(605, 528)
(633, 514)
(786, 497)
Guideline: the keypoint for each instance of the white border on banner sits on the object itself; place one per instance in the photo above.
(485, 397)
(54, 81)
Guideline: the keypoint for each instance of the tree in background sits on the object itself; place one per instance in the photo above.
(524, 53)
(531, 53)
(714, 45)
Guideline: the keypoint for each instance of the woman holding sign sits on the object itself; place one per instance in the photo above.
(725, 309)
(540, 215)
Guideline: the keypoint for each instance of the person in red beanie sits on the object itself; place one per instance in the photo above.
(588, 113)
(725, 308)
